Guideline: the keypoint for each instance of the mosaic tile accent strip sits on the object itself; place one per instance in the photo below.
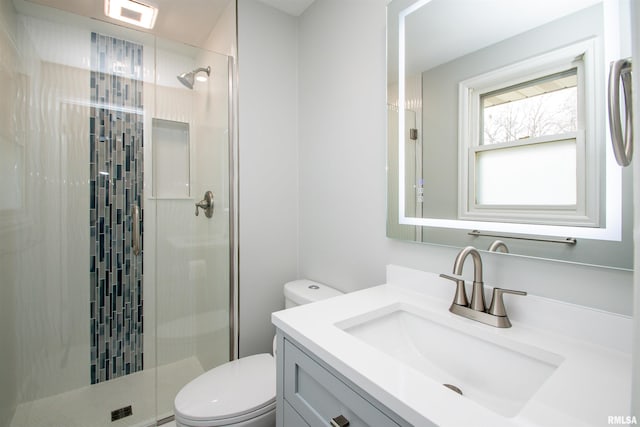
(116, 172)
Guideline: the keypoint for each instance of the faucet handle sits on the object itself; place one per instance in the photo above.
(497, 303)
(460, 297)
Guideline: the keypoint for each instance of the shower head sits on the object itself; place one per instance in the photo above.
(187, 79)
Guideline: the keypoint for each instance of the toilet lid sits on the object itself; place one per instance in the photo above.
(235, 388)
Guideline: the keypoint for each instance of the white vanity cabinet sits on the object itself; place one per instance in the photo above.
(310, 393)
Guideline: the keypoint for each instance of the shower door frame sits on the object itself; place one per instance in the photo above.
(234, 286)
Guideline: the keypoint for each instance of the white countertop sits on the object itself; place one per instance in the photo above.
(591, 383)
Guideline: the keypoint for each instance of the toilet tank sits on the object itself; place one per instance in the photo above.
(305, 291)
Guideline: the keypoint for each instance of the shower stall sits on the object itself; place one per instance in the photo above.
(114, 292)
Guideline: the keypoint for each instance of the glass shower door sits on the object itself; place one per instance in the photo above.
(190, 151)
(113, 293)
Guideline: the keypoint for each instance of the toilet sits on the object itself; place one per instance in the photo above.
(242, 393)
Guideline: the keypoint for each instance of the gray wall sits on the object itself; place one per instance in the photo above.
(342, 143)
(268, 123)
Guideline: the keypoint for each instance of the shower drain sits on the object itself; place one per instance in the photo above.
(121, 413)
(454, 388)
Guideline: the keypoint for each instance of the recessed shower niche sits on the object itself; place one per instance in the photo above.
(171, 159)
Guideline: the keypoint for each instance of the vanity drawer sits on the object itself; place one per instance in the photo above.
(318, 396)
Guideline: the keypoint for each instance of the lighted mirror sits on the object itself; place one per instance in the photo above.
(497, 127)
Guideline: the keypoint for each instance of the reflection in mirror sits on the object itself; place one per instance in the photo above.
(498, 131)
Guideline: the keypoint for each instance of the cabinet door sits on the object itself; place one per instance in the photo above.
(319, 397)
(292, 418)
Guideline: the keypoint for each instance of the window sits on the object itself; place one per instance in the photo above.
(527, 152)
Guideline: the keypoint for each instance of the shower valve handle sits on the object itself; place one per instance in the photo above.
(206, 204)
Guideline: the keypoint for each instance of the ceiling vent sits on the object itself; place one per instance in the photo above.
(132, 12)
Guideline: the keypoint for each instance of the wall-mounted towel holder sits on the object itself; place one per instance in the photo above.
(620, 71)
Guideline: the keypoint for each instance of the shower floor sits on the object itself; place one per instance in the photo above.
(91, 406)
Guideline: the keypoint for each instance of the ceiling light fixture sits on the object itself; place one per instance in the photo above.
(132, 12)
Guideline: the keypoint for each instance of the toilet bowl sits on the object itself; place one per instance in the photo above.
(242, 393)
(231, 394)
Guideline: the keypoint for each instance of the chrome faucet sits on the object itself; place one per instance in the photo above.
(477, 310)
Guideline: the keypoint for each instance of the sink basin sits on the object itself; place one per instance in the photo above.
(486, 365)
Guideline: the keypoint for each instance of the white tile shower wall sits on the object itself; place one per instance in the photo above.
(174, 297)
(52, 291)
(8, 236)
(44, 36)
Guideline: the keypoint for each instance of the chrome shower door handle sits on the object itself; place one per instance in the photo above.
(135, 229)
(620, 71)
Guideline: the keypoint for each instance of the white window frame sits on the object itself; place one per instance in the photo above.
(586, 212)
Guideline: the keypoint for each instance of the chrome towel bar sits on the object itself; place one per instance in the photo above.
(566, 241)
